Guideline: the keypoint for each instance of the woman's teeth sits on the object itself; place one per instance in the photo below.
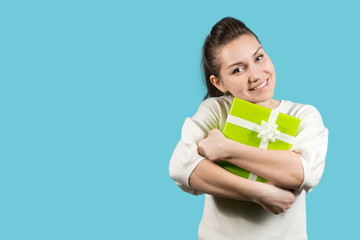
(260, 86)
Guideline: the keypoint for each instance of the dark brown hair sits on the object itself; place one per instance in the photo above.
(223, 32)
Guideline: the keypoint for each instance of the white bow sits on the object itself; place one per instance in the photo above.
(267, 131)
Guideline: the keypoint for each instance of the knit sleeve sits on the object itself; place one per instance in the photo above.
(311, 145)
(185, 157)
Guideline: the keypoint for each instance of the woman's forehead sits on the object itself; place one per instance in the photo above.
(241, 49)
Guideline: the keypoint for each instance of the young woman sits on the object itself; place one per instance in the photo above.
(236, 65)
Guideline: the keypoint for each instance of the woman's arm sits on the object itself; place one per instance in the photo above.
(281, 167)
(210, 178)
(196, 175)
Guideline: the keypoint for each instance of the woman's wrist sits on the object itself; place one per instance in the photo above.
(228, 146)
(258, 189)
(225, 148)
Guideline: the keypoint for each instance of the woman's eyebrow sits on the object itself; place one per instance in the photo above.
(257, 51)
(239, 63)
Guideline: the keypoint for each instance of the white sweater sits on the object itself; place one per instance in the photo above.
(233, 219)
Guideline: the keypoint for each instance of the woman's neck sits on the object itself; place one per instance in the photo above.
(272, 103)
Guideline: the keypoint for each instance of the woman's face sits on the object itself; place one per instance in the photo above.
(246, 71)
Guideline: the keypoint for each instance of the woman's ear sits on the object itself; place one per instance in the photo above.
(217, 83)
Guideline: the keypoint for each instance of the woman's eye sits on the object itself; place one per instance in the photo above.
(259, 57)
(239, 69)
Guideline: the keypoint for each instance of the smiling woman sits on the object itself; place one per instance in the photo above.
(236, 65)
(246, 72)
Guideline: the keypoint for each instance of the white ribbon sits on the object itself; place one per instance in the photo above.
(257, 128)
(267, 131)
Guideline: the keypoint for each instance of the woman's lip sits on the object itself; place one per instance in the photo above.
(266, 83)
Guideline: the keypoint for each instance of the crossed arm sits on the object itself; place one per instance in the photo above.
(210, 178)
(282, 168)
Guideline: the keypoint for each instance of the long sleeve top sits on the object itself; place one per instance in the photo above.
(234, 219)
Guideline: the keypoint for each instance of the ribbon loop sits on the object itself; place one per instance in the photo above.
(268, 131)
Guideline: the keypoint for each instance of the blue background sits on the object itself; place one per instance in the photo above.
(93, 95)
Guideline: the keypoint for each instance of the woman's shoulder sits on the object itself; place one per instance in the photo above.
(217, 102)
(214, 108)
(300, 110)
(298, 106)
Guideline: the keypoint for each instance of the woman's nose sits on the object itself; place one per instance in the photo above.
(254, 73)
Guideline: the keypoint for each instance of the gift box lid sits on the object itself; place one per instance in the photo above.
(255, 114)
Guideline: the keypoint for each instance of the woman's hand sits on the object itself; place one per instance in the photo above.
(212, 147)
(275, 199)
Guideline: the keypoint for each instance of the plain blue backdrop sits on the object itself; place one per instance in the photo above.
(93, 95)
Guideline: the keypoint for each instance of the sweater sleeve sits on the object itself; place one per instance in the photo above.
(185, 157)
(311, 145)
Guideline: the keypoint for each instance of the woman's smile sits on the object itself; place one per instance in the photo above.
(261, 87)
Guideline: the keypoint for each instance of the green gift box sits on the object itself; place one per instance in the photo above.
(258, 126)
